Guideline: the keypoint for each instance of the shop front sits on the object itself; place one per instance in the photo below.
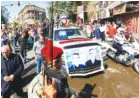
(122, 14)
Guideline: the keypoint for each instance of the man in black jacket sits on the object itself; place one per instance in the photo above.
(23, 43)
(11, 69)
(93, 62)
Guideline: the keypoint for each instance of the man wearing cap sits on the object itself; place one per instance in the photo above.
(119, 40)
(57, 74)
(58, 71)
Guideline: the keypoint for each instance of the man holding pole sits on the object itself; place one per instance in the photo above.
(52, 80)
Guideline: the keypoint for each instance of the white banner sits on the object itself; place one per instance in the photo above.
(83, 61)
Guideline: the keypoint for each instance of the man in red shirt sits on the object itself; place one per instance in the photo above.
(111, 30)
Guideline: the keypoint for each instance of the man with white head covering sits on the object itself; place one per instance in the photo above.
(119, 40)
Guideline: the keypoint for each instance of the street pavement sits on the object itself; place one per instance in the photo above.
(29, 69)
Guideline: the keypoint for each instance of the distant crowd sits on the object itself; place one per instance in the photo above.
(103, 30)
(23, 37)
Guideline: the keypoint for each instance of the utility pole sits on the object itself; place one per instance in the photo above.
(49, 79)
(51, 32)
(83, 10)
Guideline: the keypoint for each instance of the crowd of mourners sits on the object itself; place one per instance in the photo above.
(22, 37)
(32, 37)
(13, 63)
(106, 29)
(103, 30)
(15, 43)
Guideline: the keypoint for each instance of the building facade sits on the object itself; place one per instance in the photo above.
(31, 14)
(128, 11)
(118, 11)
(103, 9)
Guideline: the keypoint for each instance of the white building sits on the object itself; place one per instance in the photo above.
(31, 14)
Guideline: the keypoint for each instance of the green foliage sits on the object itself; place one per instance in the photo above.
(64, 6)
(69, 7)
(15, 25)
(4, 15)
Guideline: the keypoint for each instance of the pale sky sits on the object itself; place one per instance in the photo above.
(14, 10)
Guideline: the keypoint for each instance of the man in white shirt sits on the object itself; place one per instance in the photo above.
(102, 32)
(120, 37)
(38, 45)
(119, 40)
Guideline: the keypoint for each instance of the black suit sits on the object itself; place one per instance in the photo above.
(89, 63)
(81, 66)
(13, 65)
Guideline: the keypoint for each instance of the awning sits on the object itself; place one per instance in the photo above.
(116, 3)
(128, 12)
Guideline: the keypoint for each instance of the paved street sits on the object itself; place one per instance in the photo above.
(29, 71)
(117, 81)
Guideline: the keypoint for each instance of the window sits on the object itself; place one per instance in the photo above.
(67, 34)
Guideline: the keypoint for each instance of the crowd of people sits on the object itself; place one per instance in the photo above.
(119, 32)
(32, 38)
(15, 42)
(103, 30)
(23, 37)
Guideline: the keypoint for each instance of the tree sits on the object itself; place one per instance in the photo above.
(4, 15)
(68, 7)
(64, 6)
(90, 7)
(15, 25)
